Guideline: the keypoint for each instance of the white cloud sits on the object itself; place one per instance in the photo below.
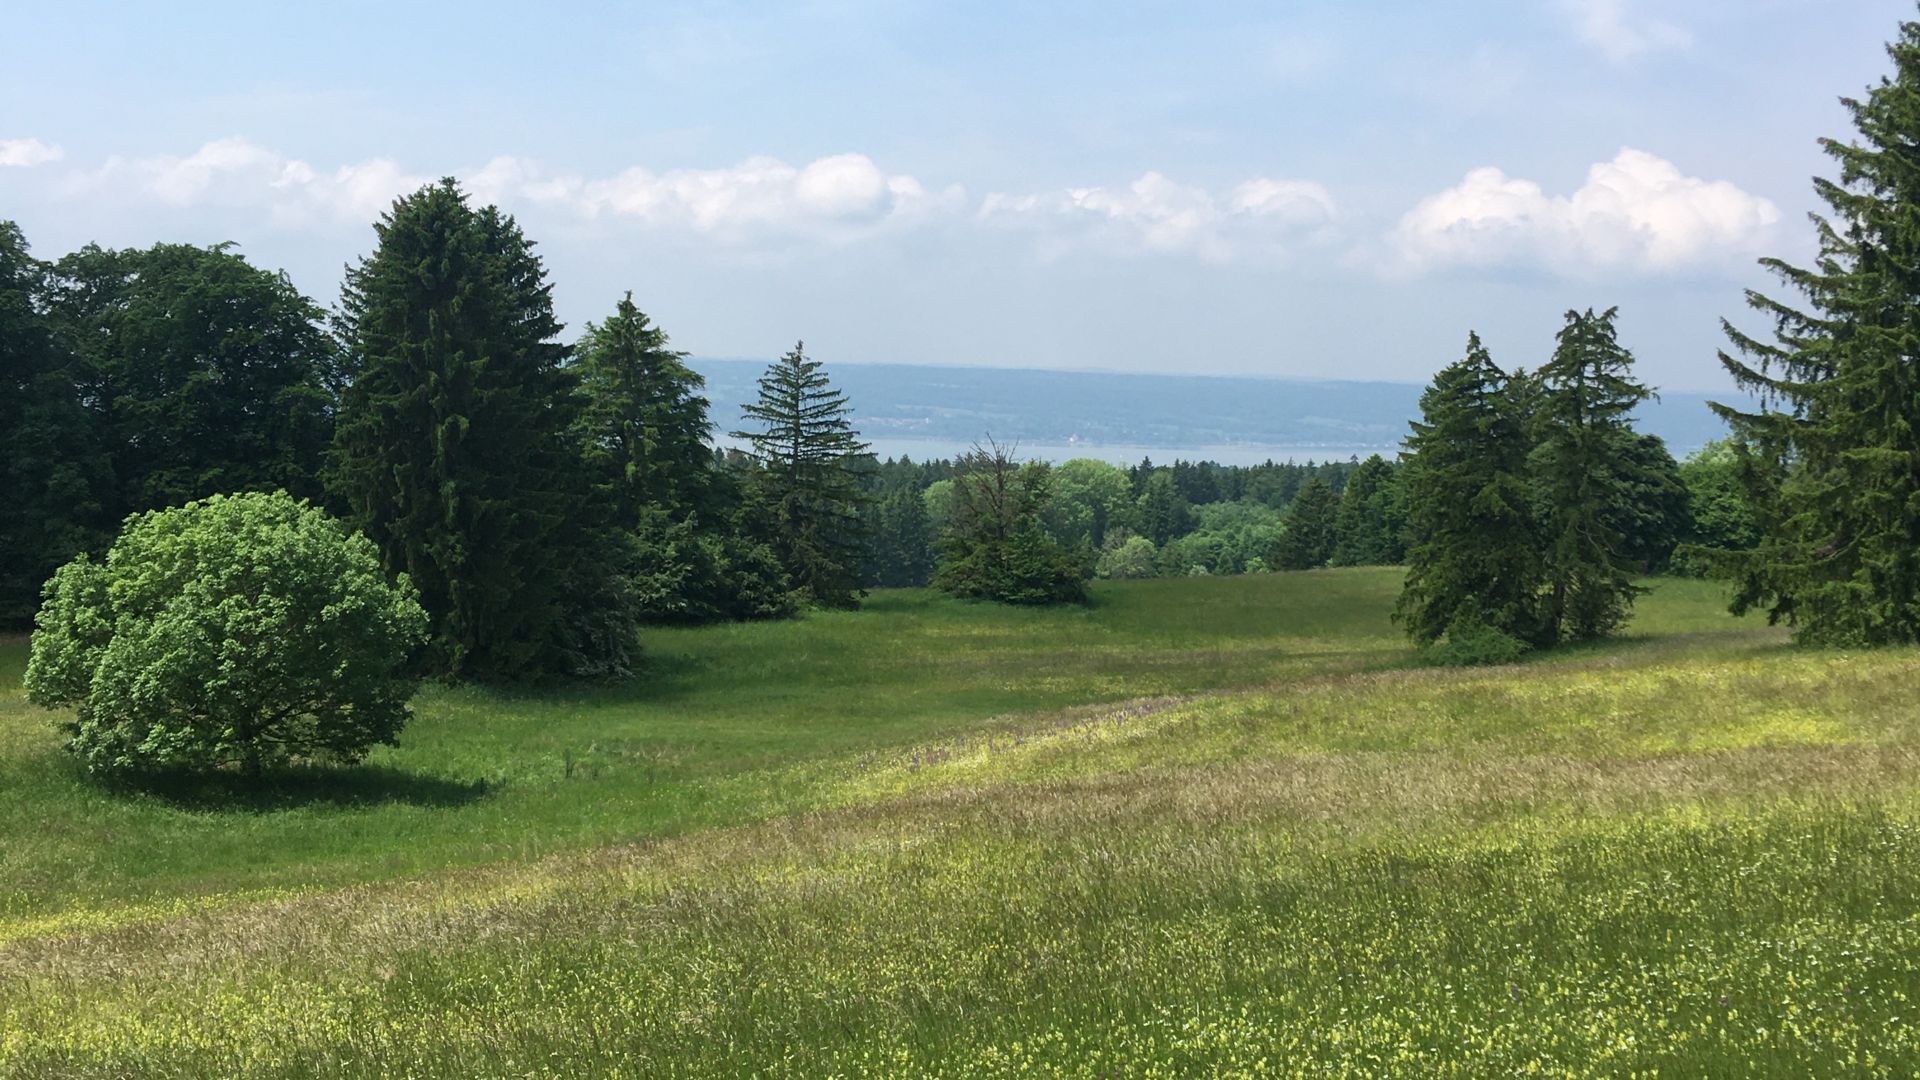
(236, 174)
(28, 152)
(836, 198)
(1619, 35)
(1155, 214)
(1636, 212)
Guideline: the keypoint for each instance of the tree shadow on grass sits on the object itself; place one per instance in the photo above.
(300, 787)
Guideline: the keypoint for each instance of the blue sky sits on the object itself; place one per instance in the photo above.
(1337, 190)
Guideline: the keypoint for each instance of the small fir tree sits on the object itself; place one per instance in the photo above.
(996, 546)
(803, 465)
(643, 427)
(1834, 477)
(1473, 551)
(1308, 537)
(903, 540)
(1591, 479)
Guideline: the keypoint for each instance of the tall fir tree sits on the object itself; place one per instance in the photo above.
(1834, 477)
(1473, 551)
(455, 448)
(1308, 540)
(803, 465)
(1591, 478)
(643, 424)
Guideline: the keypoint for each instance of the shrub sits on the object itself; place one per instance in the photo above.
(247, 629)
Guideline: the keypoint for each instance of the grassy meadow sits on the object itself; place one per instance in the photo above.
(1206, 827)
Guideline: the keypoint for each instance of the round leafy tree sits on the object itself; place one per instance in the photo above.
(248, 629)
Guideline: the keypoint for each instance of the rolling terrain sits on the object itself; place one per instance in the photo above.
(1201, 827)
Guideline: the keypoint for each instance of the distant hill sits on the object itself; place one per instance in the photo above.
(901, 406)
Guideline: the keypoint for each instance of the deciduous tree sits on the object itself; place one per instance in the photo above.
(248, 630)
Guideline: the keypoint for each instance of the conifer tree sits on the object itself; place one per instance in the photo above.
(803, 459)
(903, 540)
(1590, 478)
(455, 447)
(1308, 540)
(643, 423)
(1473, 553)
(1834, 476)
(1368, 526)
(996, 546)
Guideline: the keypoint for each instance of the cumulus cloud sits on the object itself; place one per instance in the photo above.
(236, 174)
(1636, 212)
(27, 152)
(836, 198)
(1156, 214)
(1619, 34)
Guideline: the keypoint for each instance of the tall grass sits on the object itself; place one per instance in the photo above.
(1204, 828)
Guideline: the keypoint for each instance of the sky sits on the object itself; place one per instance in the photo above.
(1319, 190)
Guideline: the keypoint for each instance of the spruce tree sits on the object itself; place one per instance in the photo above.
(803, 465)
(1308, 540)
(1834, 476)
(996, 546)
(1591, 480)
(455, 448)
(1368, 526)
(644, 424)
(1473, 553)
(903, 540)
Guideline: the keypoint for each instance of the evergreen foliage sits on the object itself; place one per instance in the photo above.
(1591, 476)
(1308, 539)
(1834, 476)
(643, 424)
(1367, 528)
(1473, 550)
(996, 546)
(903, 540)
(644, 433)
(1160, 512)
(804, 456)
(248, 630)
(456, 448)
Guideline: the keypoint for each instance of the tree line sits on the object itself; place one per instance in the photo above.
(542, 499)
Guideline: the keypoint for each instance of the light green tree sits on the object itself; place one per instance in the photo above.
(247, 629)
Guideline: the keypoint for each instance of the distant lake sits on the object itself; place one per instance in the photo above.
(938, 412)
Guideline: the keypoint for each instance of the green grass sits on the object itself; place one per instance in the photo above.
(1207, 827)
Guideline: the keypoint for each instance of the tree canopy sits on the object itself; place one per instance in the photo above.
(248, 629)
